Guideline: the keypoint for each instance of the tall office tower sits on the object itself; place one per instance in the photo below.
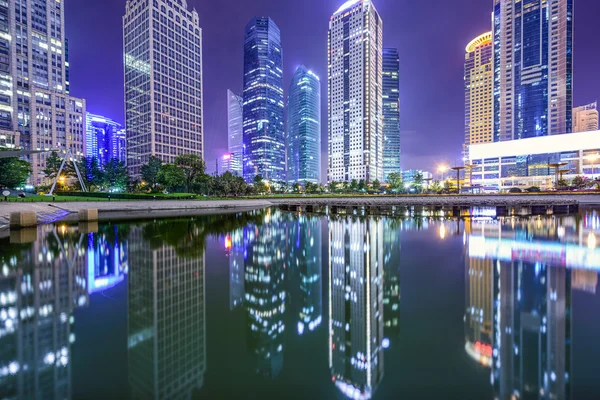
(355, 123)
(391, 112)
(304, 128)
(102, 138)
(166, 322)
(36, 111)
(479, 92)
(391, 283)
(163, 81)
(121, 141)
(264, 138)
(235, 133)
(356, 305)
(585, 118)
(533, 68)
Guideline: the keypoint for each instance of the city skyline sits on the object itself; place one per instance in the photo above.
(446, 141)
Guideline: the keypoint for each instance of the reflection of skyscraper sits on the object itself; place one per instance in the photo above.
(265, 295)
(235, 244)
(391, 283)
(356, 305)
(106, 258)
(479, 312)
(39, 289)
(167, 340)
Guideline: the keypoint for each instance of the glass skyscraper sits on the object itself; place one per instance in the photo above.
(264, 138)
(235, 132)
(304, 128)
(533, 68)
(391, 112)
(355, 93)
(36, 111)
(102, 139)
(163, 81)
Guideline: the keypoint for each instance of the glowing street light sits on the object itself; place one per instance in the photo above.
(593, 158)
(442, 169)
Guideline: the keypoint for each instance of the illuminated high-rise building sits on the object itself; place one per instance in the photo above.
(36, 110)
(533, 68)
(235, 133)
(163, 81)
(263, 109)
(355, 112)
(103, 139)
(304, 128)
(585, 118)
(391, 112)
(356, 299)
(479, 82)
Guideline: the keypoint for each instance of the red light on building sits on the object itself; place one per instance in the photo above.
(483, 349)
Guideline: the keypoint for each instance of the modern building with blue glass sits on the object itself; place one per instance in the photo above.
(235, 133)
(391, 112)
(304, 128)
(263, 108)
(533, 68)
(103, 139)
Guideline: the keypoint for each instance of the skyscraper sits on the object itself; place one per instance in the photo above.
(304, 127)
(102, 138)
(355, 93)
(36, 111)
(585, 118)
(479, 79)
(533, 68)
(391, 112)
(264, 139)
(163, 81)
(235, 132)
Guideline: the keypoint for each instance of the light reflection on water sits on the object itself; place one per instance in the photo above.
(336, 281)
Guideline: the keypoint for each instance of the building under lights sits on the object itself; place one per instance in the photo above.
(355, 106)
(235, 133)
(104, 139)
(356, 305)
(533, 68)
(304, 128)
(263, 108)
(533, 162)
(585, 118)
(36, 110)
(163, 81)
(391, 112)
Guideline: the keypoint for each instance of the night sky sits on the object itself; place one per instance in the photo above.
(430, 35)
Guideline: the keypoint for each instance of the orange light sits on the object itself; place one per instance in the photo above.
(228, 242)
(484, 349)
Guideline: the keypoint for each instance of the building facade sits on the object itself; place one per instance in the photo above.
(103, 139)
(304, 128)
(263, 109)
(163, 81)
(533, 162)
(235, 133)
(585, 118)
(36, 110)
(391, 112)
(479, 79)
(533, 68)
(355, 116)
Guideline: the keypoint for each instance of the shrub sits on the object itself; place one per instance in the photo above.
(534, 189)
(515, 190)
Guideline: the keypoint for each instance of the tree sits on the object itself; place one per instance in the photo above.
(448, 186)
(418, 182)
(150, 171)
(436, 187)
(192, 166)
(13, 172)
(172, 177)
(92, 175)
(53, 163)
(395, 181)
(260, 186)
(354, 185)
(333, 186)
(581, 182)
(376, 185)
(115, 174)
(362, 185)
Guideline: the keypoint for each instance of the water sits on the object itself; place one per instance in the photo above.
(274, 305)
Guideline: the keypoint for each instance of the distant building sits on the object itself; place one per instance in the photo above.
(585, 118)
(264, 137)
(355, 93)
(163, 81)
(391, 112)
(235, 133)
(408, 176)
(103, 139)
(533, 68)
(224, 164)
(36, 110)
(304, 128)
(479, 94)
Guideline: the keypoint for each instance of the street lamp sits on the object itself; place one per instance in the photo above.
(593, 158)
(442, 169)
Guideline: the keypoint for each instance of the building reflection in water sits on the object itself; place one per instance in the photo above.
(43, 280)
(166, 318)
(519, 277)
(107, 257)
(235, 245)
(265, 294)
(356, 320)
(391, 281)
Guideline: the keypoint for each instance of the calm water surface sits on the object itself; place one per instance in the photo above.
(270, 305)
